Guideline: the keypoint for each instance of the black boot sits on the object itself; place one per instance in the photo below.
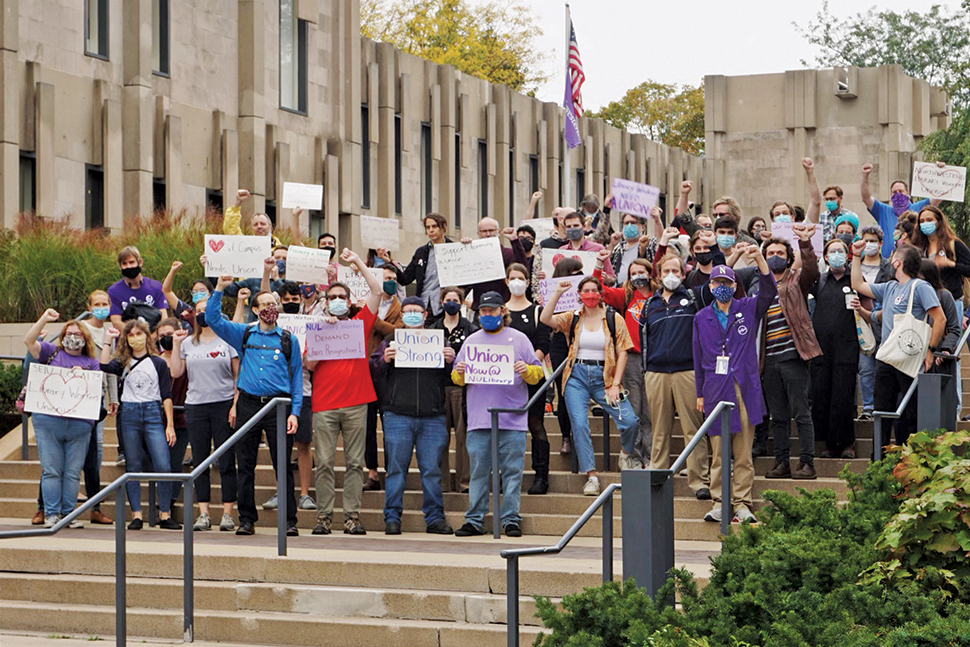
(540, 463)
(760, 446)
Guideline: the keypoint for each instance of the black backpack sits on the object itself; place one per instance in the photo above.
(610, 324)
(286, 342)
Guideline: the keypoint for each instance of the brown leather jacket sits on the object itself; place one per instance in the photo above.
(793, 289)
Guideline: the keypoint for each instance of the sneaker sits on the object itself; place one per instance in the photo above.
(548, 409)
(596, 411)
(439, 527)
(743, 514)
(371, 485)
(322, 526)
(51, 521)
(513, 530)
(865, 416)
(352, 525)
(805, 472)
(74, 525)
(227, 523)
(203, 522)
(292, 531)
(567, 447)
(169, 523)
(827, 453)
(592, 487)
(392, 528)
(626, 461)
(779, 471)
(468, 530)
(307, 503)
(135, 524)
(703, 494)
(246, 529)
(121, 459)
(848, 452)
(714, 514)
(272, 504)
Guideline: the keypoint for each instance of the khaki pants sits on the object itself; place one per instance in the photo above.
(741, 443)
(665, 393)
(351, 423)
(455, 419)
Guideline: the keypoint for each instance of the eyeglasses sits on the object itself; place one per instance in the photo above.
(331, 297)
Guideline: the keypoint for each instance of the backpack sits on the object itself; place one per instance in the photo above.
(286, 342)
(610, 324)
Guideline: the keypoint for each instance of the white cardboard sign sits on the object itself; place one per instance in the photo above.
(489, 364)
(297, 324)
(542, 226)
(304, 196)
(931, 181)
(419, 348)
(306, 264)
(569, 300)
(785, 231)
(380, 233)
(236, 255)
(63, 392)
(476, 262)
(551, 258)
(356, 281)
(633, 197)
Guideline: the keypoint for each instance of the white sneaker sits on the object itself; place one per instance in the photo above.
(51, 521)
(203, 522)
(307, 503)
(227, 523)
(626, 462)
(743, 514)
(592, 487)
(272, 504)
(74, 525)
(714, 514)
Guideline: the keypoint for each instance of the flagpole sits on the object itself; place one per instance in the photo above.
(566, 197)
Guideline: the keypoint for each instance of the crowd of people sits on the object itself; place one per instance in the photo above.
(677, 315)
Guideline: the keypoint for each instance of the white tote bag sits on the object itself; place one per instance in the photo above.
(905, 348)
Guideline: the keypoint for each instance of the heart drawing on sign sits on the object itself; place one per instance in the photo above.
(936, 181)
(216, 245)
(556, 259)
(50, 386)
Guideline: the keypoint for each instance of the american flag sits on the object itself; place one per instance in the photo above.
(576, 75)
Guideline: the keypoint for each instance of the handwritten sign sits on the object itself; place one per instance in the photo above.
(342, 340)
(303, 196)
(306, 264)
(931, 181)
(542, 226)
(236, 255)
(487, 364)
(380, 233)
(551, 258)
(63, 392)
(569, 300)
(784, 231)
(476, 262)
(356, 281)
(419, 348)
(296, 324)
(634, 198)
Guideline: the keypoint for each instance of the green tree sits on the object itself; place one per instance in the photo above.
(663, 112)
(495, 41)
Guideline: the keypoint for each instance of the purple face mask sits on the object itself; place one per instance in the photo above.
(900, 203)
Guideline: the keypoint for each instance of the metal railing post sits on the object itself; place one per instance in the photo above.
(121, 567)
(282, 464)
(23, 434)
(512, 600)
(606, 441)
(725, 471)
(496, 502)
(608, 539)
(188, 563)
(876, 437)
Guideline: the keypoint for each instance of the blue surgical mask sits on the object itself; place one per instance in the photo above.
(784, 217)
(101, 313)
(378, 262)
(413, 319)
(575, 234)
(201, 295)
(631, 231)
(338, 307)
(928, 228)
(725, 241)
(837, 260)
(451, 307)
(723, 293)
(832, 206)
(491, 323)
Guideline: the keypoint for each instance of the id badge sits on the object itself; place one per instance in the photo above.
(722, 365)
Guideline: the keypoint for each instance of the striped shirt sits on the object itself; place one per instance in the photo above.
(779, 344)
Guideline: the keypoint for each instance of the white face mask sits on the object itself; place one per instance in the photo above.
(672, 282)
(517, 287)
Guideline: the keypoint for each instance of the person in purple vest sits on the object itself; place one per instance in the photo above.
(726, 368)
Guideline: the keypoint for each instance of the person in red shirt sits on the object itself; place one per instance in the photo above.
(342, 388)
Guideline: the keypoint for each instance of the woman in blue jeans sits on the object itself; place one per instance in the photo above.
(597, 359)
(146, 391)
(62, 443)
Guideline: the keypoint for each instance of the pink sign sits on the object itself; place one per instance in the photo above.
(342, 340)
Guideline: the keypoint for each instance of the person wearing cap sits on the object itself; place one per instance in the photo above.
(480, 351)
(413, 405)
(726, 369)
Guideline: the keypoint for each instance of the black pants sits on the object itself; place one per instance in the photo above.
(890, 386)
(565, 427)
(833, 398)
(247, 451)
(208, 428)
(788, 391)
(370, 438)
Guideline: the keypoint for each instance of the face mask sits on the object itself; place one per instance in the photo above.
(900, 203)
(846, 238)
(723, 293)
(413, 319)
(872, 248)
(200, 319)
(291, 308)
(590, 299)
(784, 217)
(928, 228)
(575, 234)
(332, 250)
(527, 245)
(702, 258)
(491, 323)
(517, 287)
(672, 282)
(101, 313)
(777, 264)
(832, 206)
(307, 290)
(837, 260)
(165, 342)
(631, 231)
(451, 307)
(338, 307)
(390, 287)
(281, 267)
(640, 281)
(269, 314)
(138, 343)
(131, 272)
(202, 295)
(725, 241)
(72, 343)
(378, 262)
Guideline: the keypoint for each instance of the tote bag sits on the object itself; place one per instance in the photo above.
(905, 348)
(867, 340)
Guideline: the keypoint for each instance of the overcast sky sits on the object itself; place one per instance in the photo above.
(626, 42)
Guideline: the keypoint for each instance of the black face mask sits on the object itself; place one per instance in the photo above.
(527, 245)
(703, 258)
(333, 252)
(200, 319)
(131, 272)
(451, 307)
(291, 308)
(165, 342)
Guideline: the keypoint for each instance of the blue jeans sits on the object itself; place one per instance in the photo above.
(143, 425)
(585, 383)
(428, 438)
(62, 444)
(511, 459)
(867, 380)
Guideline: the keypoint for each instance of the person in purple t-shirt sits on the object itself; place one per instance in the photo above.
(494, 319)
(134, 288)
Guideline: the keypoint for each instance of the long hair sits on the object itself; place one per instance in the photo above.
(943, 230)
(123, 351)
(929, 272)
(628, 288)
(89, 347)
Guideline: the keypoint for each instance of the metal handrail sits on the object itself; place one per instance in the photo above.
(512, 555)
(117, 486)
(877, 417)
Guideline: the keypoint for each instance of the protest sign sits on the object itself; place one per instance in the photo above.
(342, 340)
(296, 324)
(306, 264)
(476, 262)
(569, 300)
(419, 348)
(356, 281)
(784, 231)
(380, 233)
(235, 255)
(633, 198)
(542, 226)
(931, 181)
(488, 364)
(303, 196)
(551, 258)
(63, 392)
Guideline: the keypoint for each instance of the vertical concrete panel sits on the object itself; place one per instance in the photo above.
(9, 184)
(173, 163)
(252, 54)
(331, 183)
(252, 162)
(44, 118)
(136, 35)
(282, 166)
(114, 185)
(229, 152)
(10, 25)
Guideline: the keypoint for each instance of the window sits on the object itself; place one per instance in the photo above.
(365, 156)
(160, 39)
(28, 182)
(457, 180)
(534, 181)
(271, 212)
(580, 184)
(213, 200)
(293, 59)
(482, 179)
(398, 180)
(96, 28)
(316, 224)
(158, 194)
(426, 166)
(94, 197)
